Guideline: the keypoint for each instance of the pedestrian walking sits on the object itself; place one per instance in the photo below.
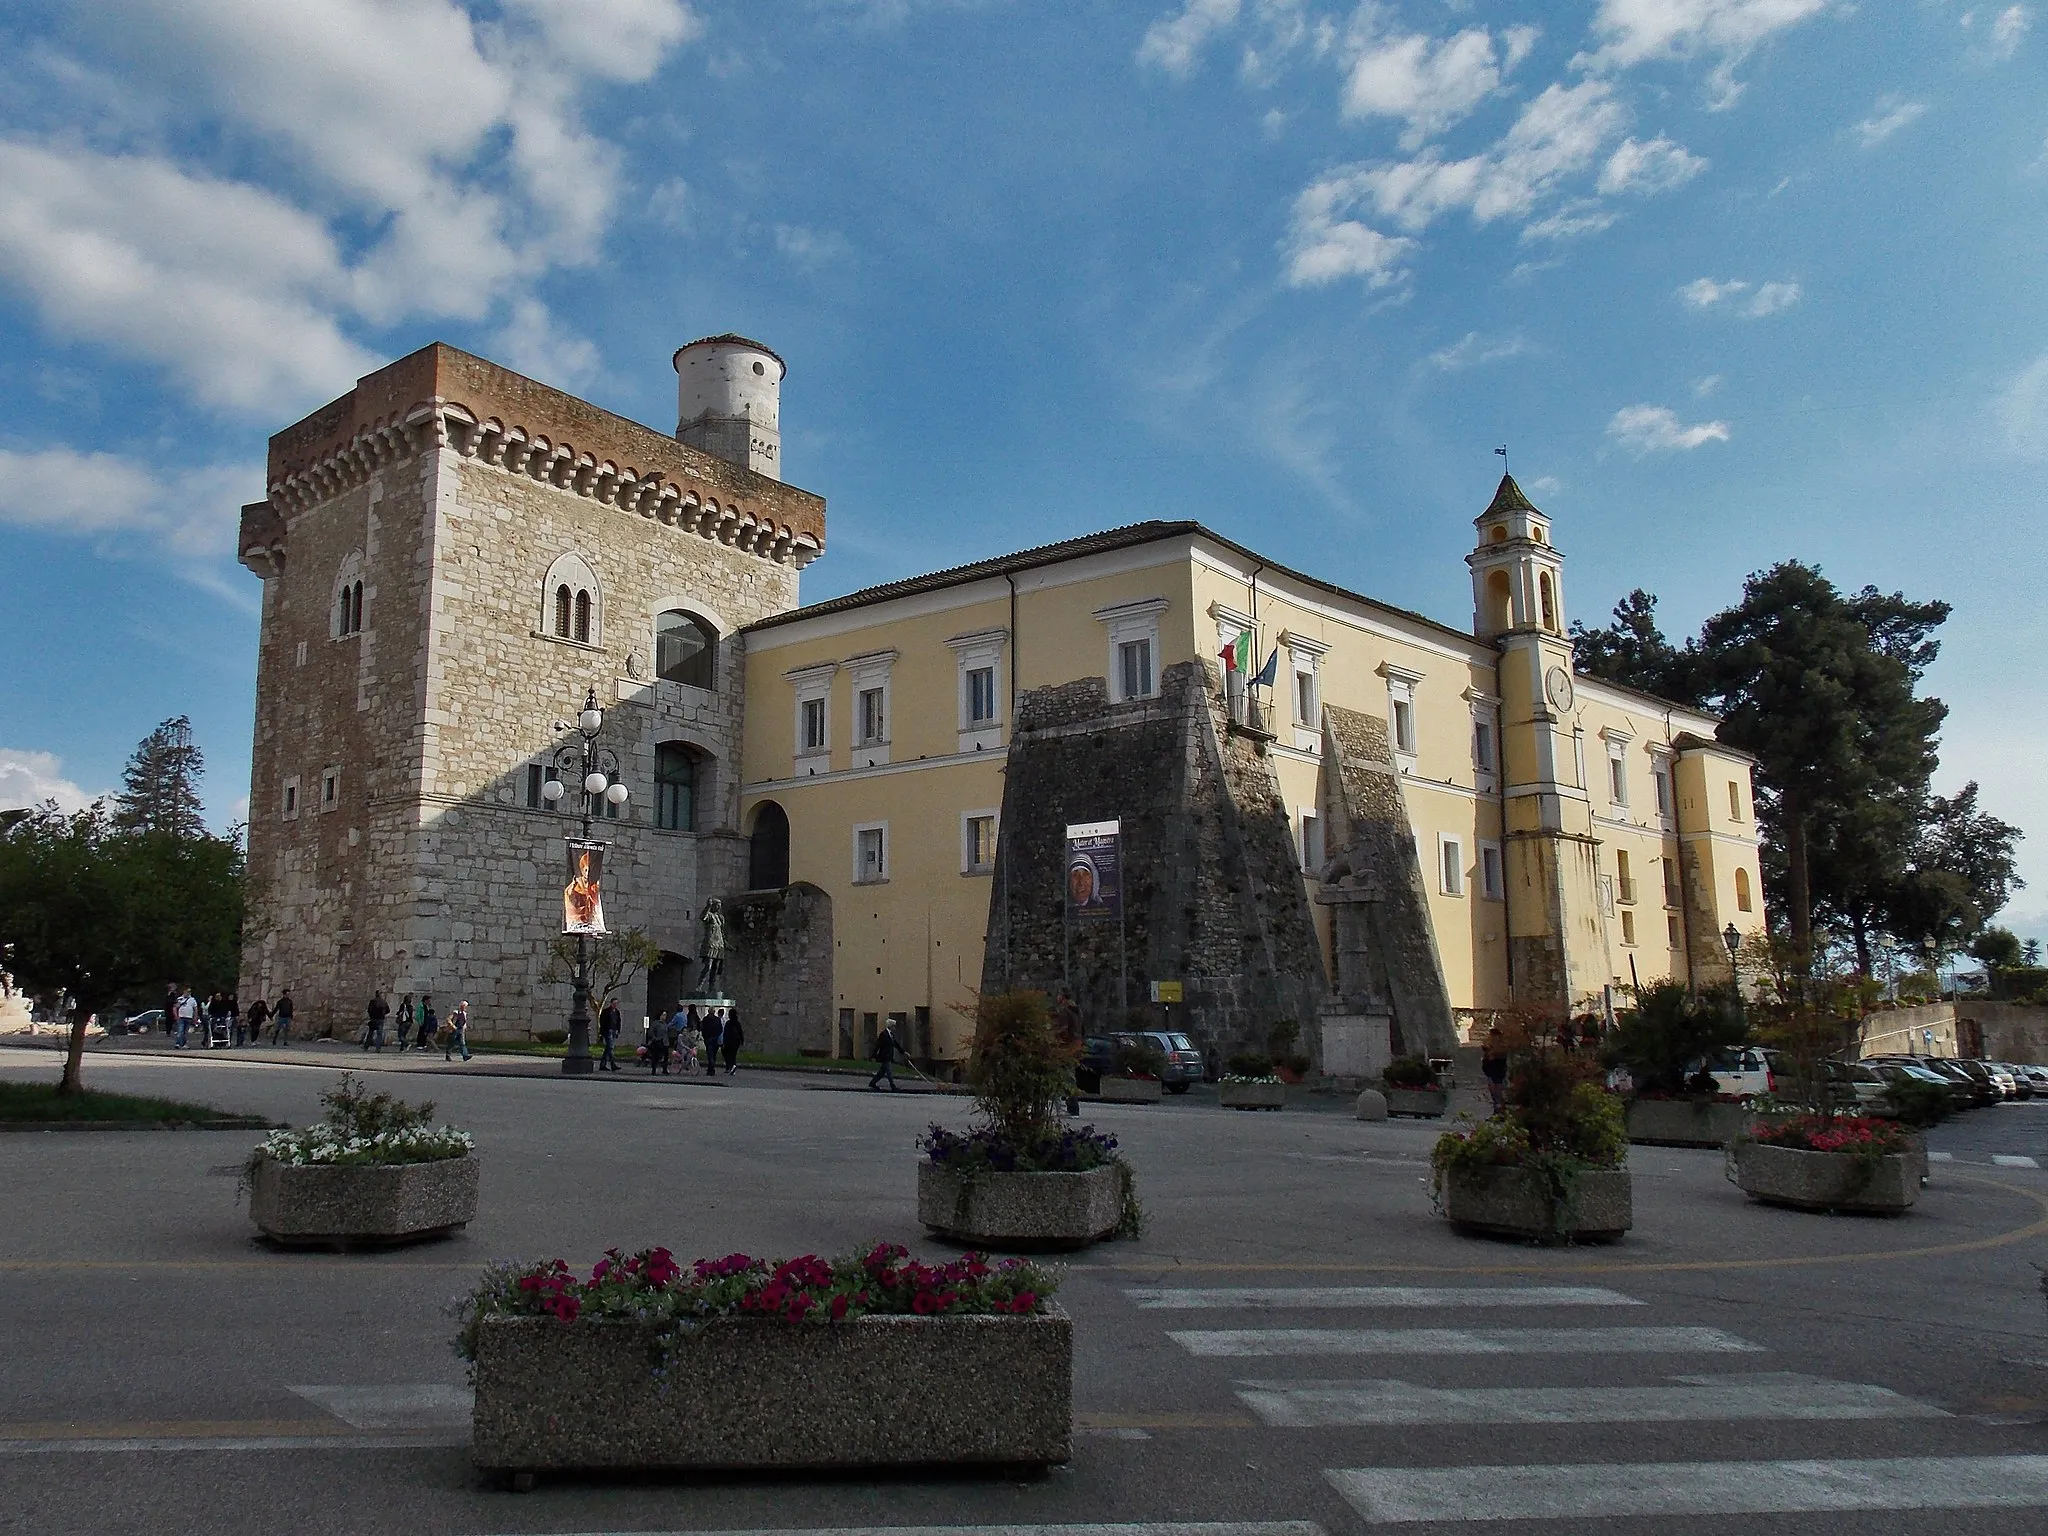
(887, 1049)
(186, 1010)
(379, 1010)
(430, 1022)
(689, 1045)
(1493, 1066)
(730, 1038)
(458, 1032)
(609, 1022)
(281, 1019)
(259, 1014)
(171, 1007)
(657, 1047)
(402, 1028)
(219, 1021)
(711, 1025)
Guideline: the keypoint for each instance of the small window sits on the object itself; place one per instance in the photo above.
(1671, 933)
(565, 602)
(1549, 600)
(1734, 801)
(1624, 874)
(330, 789)
(675, 788)
(981, 695)
(1451, 855)
(1628, 927)
(814, 725)
(534, 780)
(1491, 881)
(1482, 745)
(1312, 856)
(1498, 534)
(607, 808)
(1661, 777)
(870, 854)
(873, 715)
(685, 649)
(1134, 668)
(1743, 899)
(1670, 882)
(583, 618)
(291, 799)
(978, 843)
(1404, 726)
(1307, 710)
(1617, 779)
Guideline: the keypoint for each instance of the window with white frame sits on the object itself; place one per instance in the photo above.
(871, 853)
(572, 603)
(1660, 782)
(1482, 744)
(812, 687)
(1312, 854)
(978, 658)
(1401, 685)
(1617, 767)
(1628, 927)
(330, 788)
(346, 613)
(1493, 883)
(1450, 858)
(1305, 657)
(1133, 648)
(977, 842)
(872, 718)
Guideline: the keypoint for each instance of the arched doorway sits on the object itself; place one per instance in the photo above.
(665, 984)
(768, 848)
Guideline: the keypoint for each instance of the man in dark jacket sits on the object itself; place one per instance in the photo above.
(886, 1051)
(609, 1022)
(379, 1011)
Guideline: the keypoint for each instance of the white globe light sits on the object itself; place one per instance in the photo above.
(592, 721)
(593, 783)
(616, 794)
(551, 791)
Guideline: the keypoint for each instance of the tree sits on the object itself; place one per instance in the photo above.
(1997, 949)
(160, 786)
(615, 959)
(103, 914)
(1632, 651)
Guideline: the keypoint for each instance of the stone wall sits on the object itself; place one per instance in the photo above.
(2010, 1031)
(1213, 893)
(778, 968)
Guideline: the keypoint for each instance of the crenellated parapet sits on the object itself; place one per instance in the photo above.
(520, 427)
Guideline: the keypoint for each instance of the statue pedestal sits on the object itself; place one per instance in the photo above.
(1356, 1045)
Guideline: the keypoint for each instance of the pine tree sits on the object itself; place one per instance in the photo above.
(160, 786)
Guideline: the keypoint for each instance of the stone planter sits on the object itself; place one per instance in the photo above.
(1021, 1210)
(1512, 1202)
(1252, 1095)
(1685, 1122)
(315, 1205)
(1429, 1103)
(1130, 1090)
(746, 1394)
(1826, 1181)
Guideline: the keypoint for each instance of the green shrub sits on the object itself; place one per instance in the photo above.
(1137, 1058)
(1020, 1070)
(1917, 1103)
(1408, 1072)
(1670, 1027)
(1249, 1064)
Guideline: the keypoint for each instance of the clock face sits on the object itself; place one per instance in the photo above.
(1558, 684)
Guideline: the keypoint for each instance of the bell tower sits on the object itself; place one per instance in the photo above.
(1556, 945)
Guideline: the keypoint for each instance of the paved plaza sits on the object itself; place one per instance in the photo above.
(1296, 1344)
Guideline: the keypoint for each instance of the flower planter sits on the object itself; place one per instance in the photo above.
(1826, 1181)
(1021, 1210)
(1514, 1202)
(750, 1394)
(1685, 1122)
(1130, 1090)
(1252, 1095)
(1427, 1103)
(321, 1205)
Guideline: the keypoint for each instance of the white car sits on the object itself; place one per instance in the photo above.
(1744, 1073)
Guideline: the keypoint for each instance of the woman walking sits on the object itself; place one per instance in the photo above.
(713, 1029)
(731, 1038)
(458, 1032)
(404, 1030)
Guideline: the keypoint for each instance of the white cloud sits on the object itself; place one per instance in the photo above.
(449, 169)
(1764, 298)
(1176, 43)
(30, 778)
(1472, 350)
(1430, 83)
(2022, 410)
(1704, 292)
(1657, 429)
(1581, 216)
(1886, 118)
(190, 516)
(1659, 165)
(1704, 387)
(532, 342)
(1323, 247)
(809, 247)
(1633, 32)
(2002, 38)
(1769, 298)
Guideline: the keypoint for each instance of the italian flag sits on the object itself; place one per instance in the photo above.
(1237, 656)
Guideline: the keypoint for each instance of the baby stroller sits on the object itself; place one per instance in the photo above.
(219, 1030)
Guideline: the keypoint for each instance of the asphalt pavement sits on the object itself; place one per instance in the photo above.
(1297, 1343)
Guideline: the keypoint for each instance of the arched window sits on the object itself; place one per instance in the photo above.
(1499, 534)
(346, 616)
(676, 786)
(1549, 601)
(686, 649)
(1500, 601)
(583, 617)
(1742, 897)
(562, 611)
(572, 602)
(768, 848)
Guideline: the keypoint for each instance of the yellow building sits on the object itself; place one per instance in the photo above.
(1570, 835)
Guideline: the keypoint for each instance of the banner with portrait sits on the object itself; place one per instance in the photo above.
(583, 895)
(1095, 874)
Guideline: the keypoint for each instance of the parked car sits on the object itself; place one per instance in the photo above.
(1964, 1090)
(2037, 1076)
(1894, 1068)
(1852, 1083)
(1982, 1090)
(1180, 1066)
(2022, 1084)
(2000, 1076)
(1745, 1073)
(147, 1023)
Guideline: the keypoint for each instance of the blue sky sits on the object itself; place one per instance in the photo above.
(1735, 280)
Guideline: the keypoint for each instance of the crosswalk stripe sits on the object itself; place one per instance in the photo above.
(1941, 1157)
(1399, 1495)
(415, 1406)
(2013, 1162)
(1275, 1298)
(1770, 1395)
(1459, 1341)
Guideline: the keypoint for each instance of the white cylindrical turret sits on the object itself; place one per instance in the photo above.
(729, 401)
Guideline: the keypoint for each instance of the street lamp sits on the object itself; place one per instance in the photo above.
(1732, 937)
(598, 777)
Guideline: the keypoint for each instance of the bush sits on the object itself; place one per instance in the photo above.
(1670, 1027)
(1916, 1103)
(1137, 1058)
(1249, 1064)
(551, 1036)
(364, 1128)
(1408, 1072)
(1020, 1070)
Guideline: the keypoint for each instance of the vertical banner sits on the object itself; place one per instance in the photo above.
(1095, 875)
(583, 896)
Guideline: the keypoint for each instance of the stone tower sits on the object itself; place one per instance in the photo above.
(729, 401)
(1556, 949)
(451, 556)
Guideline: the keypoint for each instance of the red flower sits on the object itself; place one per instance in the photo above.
(838, 1308)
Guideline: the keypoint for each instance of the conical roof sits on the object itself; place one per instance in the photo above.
(1508, 498)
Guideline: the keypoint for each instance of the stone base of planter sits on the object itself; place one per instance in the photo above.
(315, 1206)
(1021, 1211)
(1252, 1095)
(1512, 1202)
(1130, 1090)
(744, 1394)
(1685, 1122)
(1826, 1181)
(1429, 1103)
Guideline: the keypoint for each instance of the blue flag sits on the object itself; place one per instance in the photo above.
(1270, 672)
